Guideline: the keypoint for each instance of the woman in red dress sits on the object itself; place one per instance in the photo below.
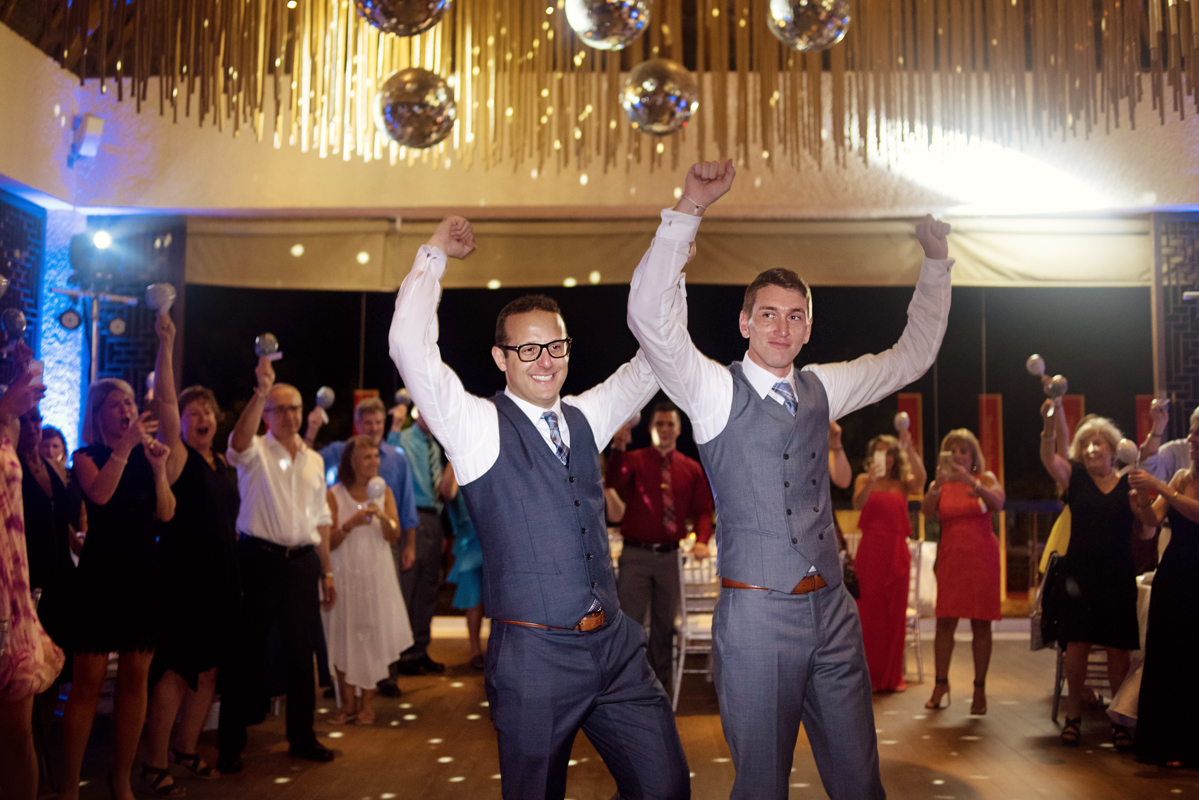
(963, 496)
(883, 561)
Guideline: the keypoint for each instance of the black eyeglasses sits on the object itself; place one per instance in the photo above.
(558, 348)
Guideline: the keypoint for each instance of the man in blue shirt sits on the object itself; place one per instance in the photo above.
(370, 416)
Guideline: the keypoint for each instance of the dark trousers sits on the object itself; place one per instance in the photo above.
(277, 592)
(543, 686)
(419, 585)
(781, 659)
(649, 581)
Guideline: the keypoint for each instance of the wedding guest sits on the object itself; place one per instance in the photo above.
(467, 572)
(1098, 605)
(883, 561)
(1164, 460)
(29, 660)
(201, 585)
(53, 447)
(1167, 709)
(367, 629)
(122, 472)
(963, 496)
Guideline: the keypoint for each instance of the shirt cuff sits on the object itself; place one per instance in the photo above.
(678, 226)
(434, 260)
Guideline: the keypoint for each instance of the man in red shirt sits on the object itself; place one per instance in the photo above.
(662, 489)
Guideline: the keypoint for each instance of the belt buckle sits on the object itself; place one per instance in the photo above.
(591, 621)
(289, 551)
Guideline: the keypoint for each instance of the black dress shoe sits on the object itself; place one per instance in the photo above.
(388, 688)
(229, 765)
(411, 667)
(312, 752)
(429, 665)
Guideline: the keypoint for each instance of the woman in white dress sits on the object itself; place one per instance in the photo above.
(367, 628)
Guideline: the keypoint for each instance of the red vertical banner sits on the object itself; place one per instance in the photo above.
(990, 431)
(913, 404)
(1144, 422)
(1075, 407)
(359, 396)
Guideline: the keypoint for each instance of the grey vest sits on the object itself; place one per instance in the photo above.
(769, 475)
(541, 525)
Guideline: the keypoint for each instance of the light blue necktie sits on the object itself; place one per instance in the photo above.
(784, 388)
(563, 452)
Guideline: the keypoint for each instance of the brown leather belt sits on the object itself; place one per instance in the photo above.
(808, 584)
(587, 623)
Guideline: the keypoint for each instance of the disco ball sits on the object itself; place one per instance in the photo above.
(809, 25)
(659, 97)
(415, 108)
(402, 17)
(607, 24)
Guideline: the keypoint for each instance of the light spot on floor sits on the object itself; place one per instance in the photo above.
(920, 716)
(405, 705)
(721, 760)
(938, 782)
(319, 711)
(971, 738)
(692, 774)
(457, 685)
(572, 763)
(953, 754)
(435, 741)
(889, 741)
(800, 785)
(495, 777)
(890, 713)
(457, 779)
(1107, 745)
(484, 704)
(445, 759)
(394, 723)
(473, 716)
(387, 796)
(282, 780)
(926, 736)
(410, 717)
(336, 735)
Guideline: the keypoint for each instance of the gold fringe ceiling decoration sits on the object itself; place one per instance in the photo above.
(531, 94)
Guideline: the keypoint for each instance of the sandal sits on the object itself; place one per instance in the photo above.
(342, 717)
(937, 704)
(1072, 732)
(194, 764)
(975, 707)
(1121, 738)
(161, 782)
(364, 718)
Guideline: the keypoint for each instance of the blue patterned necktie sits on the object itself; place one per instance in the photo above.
(562, 451)
(784, 388)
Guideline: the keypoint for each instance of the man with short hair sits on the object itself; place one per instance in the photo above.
(370, 415)
(283, 549)
(1164, 460)
(787, 642)
(662, 489)
(561, 656)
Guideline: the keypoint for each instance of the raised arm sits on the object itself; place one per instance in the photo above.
(919, 474)
(610, 404)
(467, 426)
(850, 385)
(247, 424)
(699, 386)
(169, 429)
(1057, 466)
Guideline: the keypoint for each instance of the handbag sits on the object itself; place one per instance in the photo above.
(1045, 620)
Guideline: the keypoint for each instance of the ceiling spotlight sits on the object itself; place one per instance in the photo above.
(297, 250)
(70, 319)
(363, 257)
(102, 240)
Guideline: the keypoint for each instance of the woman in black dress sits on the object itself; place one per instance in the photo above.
(1166, 714)
(201, 589)
(123, 474)
(1098, 604)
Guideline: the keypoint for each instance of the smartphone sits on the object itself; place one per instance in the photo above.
(880, 459)
(945, 462)
(36, 368)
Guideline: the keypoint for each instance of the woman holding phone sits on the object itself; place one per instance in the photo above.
(883, 562)
(963, 496)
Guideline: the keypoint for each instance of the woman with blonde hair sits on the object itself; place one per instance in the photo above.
(1099, 603)
(963, 496)
(123, 474)
(883, 562)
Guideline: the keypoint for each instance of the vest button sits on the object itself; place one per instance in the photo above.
(813, 455)
(788, 512)
(572, 478)
(786, 456)
(589, 556)
(786, 484)
(813, 481)
(577, 503)
(822, 536)
(583, 530)
(795, 541)
(816, 509)
(593, 584)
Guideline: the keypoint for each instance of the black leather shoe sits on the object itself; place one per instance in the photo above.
(412, 667)
(313, 752)
(229, 765)
(429, 665)
(388, 688)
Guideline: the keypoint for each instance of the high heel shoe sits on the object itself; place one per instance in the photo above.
(935, 705)
(975, 707)
(1071, 731)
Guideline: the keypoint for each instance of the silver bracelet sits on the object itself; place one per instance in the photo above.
(698, 207)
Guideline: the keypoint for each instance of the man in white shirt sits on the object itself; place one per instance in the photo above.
(1164, 460)
(787, 641)
(561, 657)
(283, 525)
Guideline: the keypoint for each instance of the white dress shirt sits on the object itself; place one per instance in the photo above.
(283, 500)
(704, 389)
(467, 426)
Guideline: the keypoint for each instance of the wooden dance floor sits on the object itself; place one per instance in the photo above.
(436, 742)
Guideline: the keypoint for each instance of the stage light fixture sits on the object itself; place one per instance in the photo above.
(70, 319)
(102, 240)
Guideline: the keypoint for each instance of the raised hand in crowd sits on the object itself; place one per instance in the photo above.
(933, 236)
(454, 236)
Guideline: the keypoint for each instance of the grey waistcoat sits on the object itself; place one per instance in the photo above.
(541, 525)
(769, 475)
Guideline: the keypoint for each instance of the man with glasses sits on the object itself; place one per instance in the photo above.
(283, 525)
(562, 656)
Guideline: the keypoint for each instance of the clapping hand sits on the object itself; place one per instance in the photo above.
(934, 238)
(454, 237)
(707, 182)
(156, 454)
